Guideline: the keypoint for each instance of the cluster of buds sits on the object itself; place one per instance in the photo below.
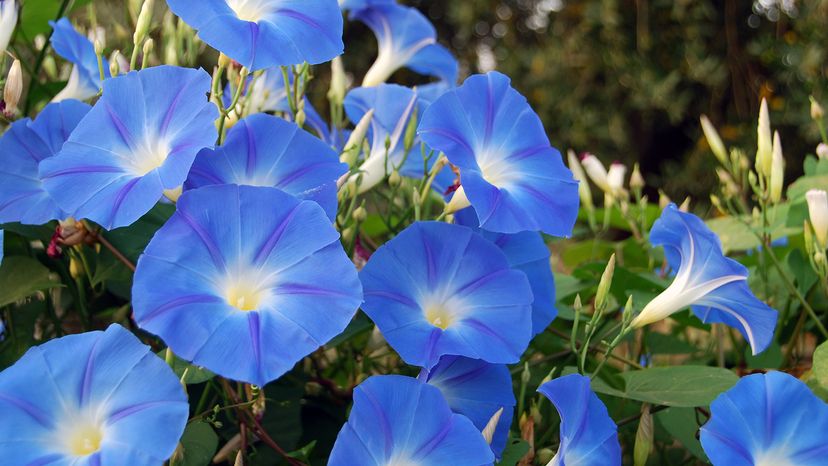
(816, 230)
(612, 183)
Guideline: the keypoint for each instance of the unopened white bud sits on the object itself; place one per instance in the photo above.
(339, 82)
(777, 175)
(14, 88)
(142, 25)
(822, 150)
(818, 213)
(764, 150)
(615, 178)
(816, 109)
(714, 140)
(596, 171)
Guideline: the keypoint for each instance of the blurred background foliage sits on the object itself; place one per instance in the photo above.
(628, 79)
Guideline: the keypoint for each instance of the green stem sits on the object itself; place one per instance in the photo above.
(795, 292)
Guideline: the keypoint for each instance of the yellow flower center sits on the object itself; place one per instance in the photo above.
(244, 297)
(439, 316)
(85, 440)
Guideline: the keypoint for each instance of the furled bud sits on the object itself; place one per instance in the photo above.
(764, 149)
(583, 185)
(14, 88)
(714, 140)
(394, 179)
(596, 171)
(817, 113)
(354, 144)
(636, 179)
(818, 212)
(411, 131)
(339, 82)
(142, 25)
(359, 214)
(663, 199)
(777, 175)
(602, 294)
(491, 426)
(615, 178)
(822, 150)
(115, 64)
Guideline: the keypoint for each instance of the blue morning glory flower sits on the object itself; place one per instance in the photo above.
(394, 106)
(98, 398)
(509, 173)
(359, 4)
(477, 390)
(85, 78)
(399, 420)
(527, 252)
(264, 150)
(138, 140)
(439, 289)
(245, 281)
(405, 38)
(261, 34)
(768, 419)
(714, 286)
(588, 434)
(24, 145)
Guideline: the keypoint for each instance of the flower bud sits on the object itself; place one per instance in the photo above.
(764, 149)
(339, 82)
(359, 214)
(714, 140)
(491, 426)
(583, 185)
(14, 88)
(777, 175)
(8, 20)
(663, 199)
(596, 171)
(615, 178)
(817, 113)
(636, 179)
(411, 131)
(604, 285)
(115, 64)
(822, 151)
(147, 49)
(224, 61)
(173, 194)
(394, 179)
(142, 25)
(354, 144)
(685, 206)
(818, 212)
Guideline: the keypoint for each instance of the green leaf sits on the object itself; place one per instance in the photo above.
(198, 444)
(801, 186)
(514, 451)
(820, 368)
(132, 240)
(735, 235)
(682, 425)
(194, 374)
(21, 277)
(36, 14)
(682, 386)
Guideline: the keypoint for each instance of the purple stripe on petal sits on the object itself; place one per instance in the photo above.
(204, 236)
(130, 410)
(85, 169)
(382, 421)
(255, 335)
(33, 411)
(426, 449)
(275, 236)
(179, 302)
(48, 459)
